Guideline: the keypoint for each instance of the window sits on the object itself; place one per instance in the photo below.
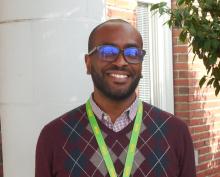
(143, 27)
(156, 86)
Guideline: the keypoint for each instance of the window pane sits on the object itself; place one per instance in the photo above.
(143, 27)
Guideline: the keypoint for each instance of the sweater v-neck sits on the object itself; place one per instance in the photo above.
(112, 133)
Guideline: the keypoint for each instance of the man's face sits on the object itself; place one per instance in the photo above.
(116, 80)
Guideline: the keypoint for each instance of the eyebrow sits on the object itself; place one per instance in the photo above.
(126, 46)
(131, 45)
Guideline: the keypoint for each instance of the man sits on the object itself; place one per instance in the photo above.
(114, 133)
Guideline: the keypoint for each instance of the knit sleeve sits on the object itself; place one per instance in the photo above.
(43, 160)
(187, 159)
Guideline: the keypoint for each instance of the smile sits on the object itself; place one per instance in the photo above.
(120, 76)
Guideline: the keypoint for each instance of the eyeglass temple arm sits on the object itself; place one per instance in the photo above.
(91, 51)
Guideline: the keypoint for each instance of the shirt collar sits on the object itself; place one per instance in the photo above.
(100, 114)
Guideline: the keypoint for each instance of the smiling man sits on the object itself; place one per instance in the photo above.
(114, 133)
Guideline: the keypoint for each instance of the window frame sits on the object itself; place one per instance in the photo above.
(161, 60)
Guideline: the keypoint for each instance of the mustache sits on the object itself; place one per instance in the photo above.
(117, 68)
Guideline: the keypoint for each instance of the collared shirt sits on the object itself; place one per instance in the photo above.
(121, 122)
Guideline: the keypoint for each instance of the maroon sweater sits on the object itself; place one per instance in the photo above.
(67, 147)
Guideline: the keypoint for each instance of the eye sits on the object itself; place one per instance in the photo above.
(108, 50)
(131, 52)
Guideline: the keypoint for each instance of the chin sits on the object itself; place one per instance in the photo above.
(119, 95)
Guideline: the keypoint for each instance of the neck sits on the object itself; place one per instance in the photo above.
(114, 108)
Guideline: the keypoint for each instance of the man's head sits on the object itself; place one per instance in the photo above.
(115, 77)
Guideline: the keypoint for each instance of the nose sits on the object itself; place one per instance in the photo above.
(120, 61)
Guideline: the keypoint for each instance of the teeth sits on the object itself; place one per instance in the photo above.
(119, 76)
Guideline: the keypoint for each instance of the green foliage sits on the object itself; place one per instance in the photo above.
(199, 22)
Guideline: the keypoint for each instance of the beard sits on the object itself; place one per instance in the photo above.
(114, 94)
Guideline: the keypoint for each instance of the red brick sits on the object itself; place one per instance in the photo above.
(176, 74)
(183, 90)
(197, 121)
(176, 91)
(193, 82)
(174, 40)
(208, 169)
(183, 115)
(201, 136)
(186, 82)
(211, 121)
(202, 166)
(183, 58)
(181, 66)
(188, 74)
(180, 49)
(196, 97)
(201, 97)
(176, 32)
(199, 144)
(199, 113)
(205, 150)
(195, 90)
(181, 107)
(181, 98)
(181, 82)
(175, 58)
(196, 106)
(184, 74)
(202, 113)
(209, 157)
(204, 105)
(200, 128)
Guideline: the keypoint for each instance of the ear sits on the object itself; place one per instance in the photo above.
(88, 63)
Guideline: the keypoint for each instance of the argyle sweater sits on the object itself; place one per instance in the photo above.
(67, 147)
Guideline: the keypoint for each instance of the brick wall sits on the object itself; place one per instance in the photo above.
(199, 108)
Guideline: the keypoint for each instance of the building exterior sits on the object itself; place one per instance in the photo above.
(178, 90)
(199, 108)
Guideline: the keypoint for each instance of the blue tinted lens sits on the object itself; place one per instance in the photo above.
(132, 52)
(108, 51)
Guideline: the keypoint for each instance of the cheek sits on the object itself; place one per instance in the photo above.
(137, 69)
(95, 69)
(140, 68)
(99, 66)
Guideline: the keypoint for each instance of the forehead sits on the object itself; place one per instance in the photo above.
(120, 34)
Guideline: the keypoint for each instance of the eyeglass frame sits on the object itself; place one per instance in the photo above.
(121, 51)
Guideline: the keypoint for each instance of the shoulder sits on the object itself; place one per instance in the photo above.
(159, 122)
(162, 118)
(65, 122)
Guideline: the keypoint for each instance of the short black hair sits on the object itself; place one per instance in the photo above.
(92, 34)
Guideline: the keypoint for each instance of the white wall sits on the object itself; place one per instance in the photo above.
(42, 72)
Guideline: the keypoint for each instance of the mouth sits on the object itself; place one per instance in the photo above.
(118, 77)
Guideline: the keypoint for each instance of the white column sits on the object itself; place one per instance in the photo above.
(42, 70)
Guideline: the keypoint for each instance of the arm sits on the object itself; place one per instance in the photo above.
(187, 159)
(43, 158)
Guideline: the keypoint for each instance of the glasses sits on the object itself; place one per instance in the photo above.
(110, 53)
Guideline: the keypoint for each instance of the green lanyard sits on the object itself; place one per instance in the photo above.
(103, 148)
